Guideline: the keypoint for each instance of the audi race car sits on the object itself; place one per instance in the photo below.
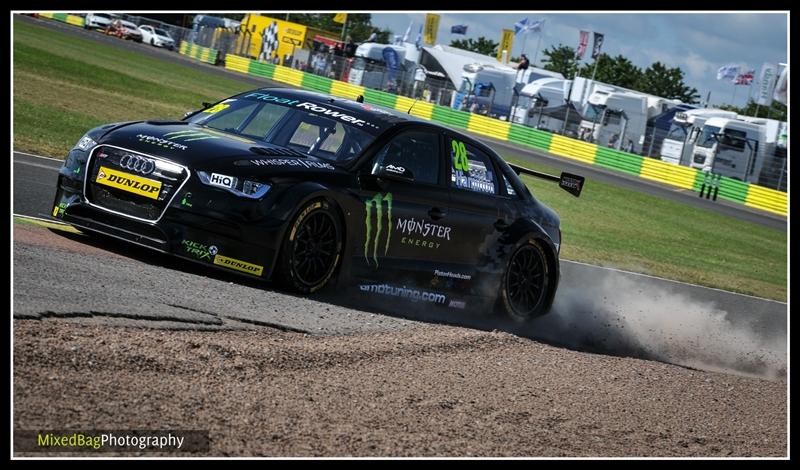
(310, 190)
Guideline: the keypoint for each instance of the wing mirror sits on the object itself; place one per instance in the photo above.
(395, 173)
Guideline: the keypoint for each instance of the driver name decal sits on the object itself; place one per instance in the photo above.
(291, 162)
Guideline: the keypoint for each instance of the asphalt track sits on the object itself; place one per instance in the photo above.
(527, 154)
(596, 309)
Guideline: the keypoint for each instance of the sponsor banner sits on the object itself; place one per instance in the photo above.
(506, 42)
(431, 28)
(340, 18)
(766, 83)
(128, 182)
(414, 295)
(238, 265)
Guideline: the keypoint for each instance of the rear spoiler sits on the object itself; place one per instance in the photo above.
(573, 184)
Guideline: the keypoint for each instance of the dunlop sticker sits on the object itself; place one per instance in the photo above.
(238, 265)
(128, 182)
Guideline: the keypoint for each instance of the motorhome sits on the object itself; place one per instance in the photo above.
(730, 147)
(678, 145)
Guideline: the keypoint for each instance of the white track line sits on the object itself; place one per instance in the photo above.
(671, 280)
(39, 156)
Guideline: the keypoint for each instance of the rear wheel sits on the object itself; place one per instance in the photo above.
(311, 249)
(526, 282)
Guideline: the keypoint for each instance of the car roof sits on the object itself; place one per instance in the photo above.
(379, 118)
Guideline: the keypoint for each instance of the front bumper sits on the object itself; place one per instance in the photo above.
(200, 224)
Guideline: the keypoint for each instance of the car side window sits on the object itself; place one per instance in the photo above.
(471, 168)
(415, 151)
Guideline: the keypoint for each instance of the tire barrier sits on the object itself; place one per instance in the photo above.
(203, 54)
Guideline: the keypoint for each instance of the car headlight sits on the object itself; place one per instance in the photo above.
(244, 188)
(86, 143)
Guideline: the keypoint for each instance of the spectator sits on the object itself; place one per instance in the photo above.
(350, 48)
(629, 146)
(523, 63)
(612, 142)
(373, 37)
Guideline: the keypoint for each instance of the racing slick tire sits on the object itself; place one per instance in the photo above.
(311, 248)
(526, 282)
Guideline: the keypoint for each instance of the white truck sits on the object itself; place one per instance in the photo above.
(615, 119)
(678, 144)
(730, 147)
(493, 88)
(542, 105)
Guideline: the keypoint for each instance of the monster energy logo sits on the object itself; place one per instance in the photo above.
(189, 136)
(377, 202)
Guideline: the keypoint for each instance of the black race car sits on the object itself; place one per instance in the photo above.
(308, 190)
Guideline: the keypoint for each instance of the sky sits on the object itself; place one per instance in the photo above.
(698, 43)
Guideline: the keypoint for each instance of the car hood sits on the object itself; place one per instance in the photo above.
(202, 148)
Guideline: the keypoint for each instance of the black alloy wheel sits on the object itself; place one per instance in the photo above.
(312, 248)
(525, 285)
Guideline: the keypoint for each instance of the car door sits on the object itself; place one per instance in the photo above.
(404, 232)
(480, 210)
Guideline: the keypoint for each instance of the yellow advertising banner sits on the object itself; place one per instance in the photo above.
(431, 28)
(271, 38)
(506, 41)
(340, 18)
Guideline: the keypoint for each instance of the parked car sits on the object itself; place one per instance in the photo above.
(156, 37)
(98, 20)
(303, 188)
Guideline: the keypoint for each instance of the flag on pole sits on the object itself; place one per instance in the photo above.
(521, 26)
(458, 29)
(598, 44)
(729, 71)
(745, 78)
(340, 17)
(419, 38)
(582, 43)
(524, 25)
(408, 32)
(536, 26)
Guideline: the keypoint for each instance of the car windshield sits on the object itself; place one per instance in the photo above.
(330, 139)
(161, 32)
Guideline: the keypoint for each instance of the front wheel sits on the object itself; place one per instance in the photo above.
(526, 282)
(311, 249)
